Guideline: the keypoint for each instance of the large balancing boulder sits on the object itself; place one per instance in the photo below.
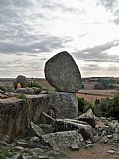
(62, 72)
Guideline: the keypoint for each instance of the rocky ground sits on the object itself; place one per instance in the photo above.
(65, 138)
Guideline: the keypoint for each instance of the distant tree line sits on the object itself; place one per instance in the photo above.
(105, 84)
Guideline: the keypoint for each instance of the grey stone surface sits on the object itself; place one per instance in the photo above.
(62, 72)
(37, 151)
(16, 114)
(35, 130)
(46, 119)
(62, 139)
(88, 117)
(26, 90)
(65, 105)
(22, 80)
(68, 124)
(47, 128)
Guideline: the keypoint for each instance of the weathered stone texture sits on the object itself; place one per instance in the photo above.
(62, 72)
(12, 117)
(15, 114)
(65, 105)
(87, 117)
(62, 139)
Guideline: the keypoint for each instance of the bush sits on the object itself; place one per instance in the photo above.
(104, 85)
(56, 155)
(6, 153)
(23, 97)
(115, 106)
(108, 107)
(83, 106)
(2, 88)
(104, 107)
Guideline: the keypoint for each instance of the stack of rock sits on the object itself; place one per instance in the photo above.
(61, 71)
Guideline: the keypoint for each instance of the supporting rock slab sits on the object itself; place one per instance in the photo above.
(65, 105)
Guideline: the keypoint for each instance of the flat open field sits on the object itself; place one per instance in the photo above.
(92, 95)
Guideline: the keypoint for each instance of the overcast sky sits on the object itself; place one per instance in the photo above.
(32, 31)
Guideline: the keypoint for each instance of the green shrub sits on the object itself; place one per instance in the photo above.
(57, 155)
(2, 88)
(103, 107)
(108, 107)
(6, 153)
(83, 106)
(23, 97)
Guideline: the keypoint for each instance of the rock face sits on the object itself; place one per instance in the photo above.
(62, 72)
(87, 117)
(12, 118)
(16, 114)
(65, 105)
(62, 139)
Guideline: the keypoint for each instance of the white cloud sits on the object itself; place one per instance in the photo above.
(35, 30)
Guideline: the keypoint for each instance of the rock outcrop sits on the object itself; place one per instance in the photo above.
(26, 90)
(22, 80)
(15, 114)
(87, 117)
(64, 105)
(62, 72)
(68, 124)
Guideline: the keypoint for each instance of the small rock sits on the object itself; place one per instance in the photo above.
(89, 145)
(19, 148)
(111, 151)
(43, 157)
(113, 148)
(74, 146)
(114, 124)
(35, 130)
(22, 143)
(104, 140)
(35, 139)
(109, 136)
(37, 151)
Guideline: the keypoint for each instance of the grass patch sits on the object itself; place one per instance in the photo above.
(56, 155)
(6, 153)
(23, 97)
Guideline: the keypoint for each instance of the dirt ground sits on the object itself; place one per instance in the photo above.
(99, 151)
(90, 98)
